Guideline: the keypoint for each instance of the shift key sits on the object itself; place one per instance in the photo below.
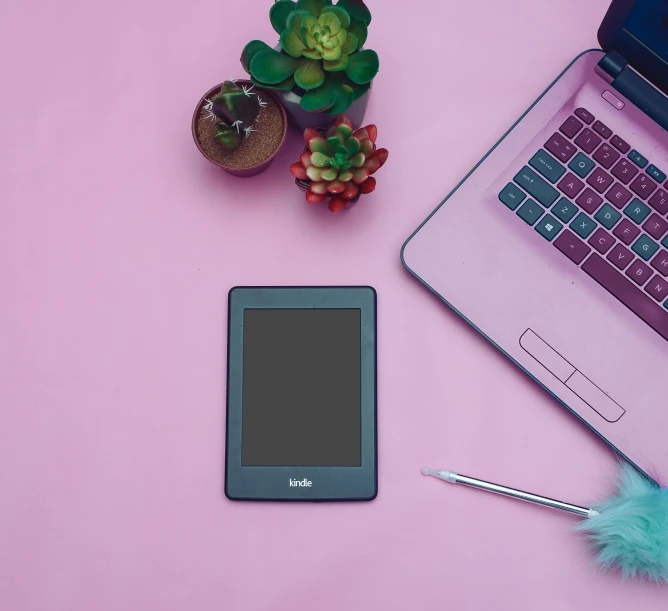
(536, 186)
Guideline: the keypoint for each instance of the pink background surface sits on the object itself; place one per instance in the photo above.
(118, 244)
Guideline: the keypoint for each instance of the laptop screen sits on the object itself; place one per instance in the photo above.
(648, 23)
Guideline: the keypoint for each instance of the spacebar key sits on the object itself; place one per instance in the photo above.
(633, 298)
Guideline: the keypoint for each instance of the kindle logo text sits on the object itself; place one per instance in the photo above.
(304, 483)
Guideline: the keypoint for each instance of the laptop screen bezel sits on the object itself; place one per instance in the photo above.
(613, 37)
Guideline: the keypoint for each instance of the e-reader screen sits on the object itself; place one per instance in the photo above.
(301, 390)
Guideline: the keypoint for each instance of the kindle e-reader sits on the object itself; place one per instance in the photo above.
(301, 394)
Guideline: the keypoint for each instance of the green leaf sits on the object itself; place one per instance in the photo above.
(350, 44)
(285, 85)
(330, 20)
(250, 50)
(360, 90)
(332, 144)
(332, 54)
(320, 160)
(359, 29)
(271, 67)
(278, 14)
(311, 54)
(358, 160)
(318, 100)
(318, 145)
(356, 9)
(341, 13)
(345, 176)
(362, 66)
(295, 19)
(312, 6)
(344, 98)
(352, 146)
(329, 174)
(344, 132)
(337, 64)
(309, 75)
(292, 43)
(229, 137)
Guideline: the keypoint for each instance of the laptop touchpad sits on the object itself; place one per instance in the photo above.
(569, 375)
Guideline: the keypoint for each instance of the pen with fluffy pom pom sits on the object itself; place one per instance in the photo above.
(629, 531)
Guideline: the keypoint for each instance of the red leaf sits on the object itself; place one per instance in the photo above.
(310, 133)
(371, 164)
(315, 198)
(362, 133)
(305, 158)
(337, 203)
(381, 155)
(368, 185)
(351, 190)
(336, 186)
(373, 132)
(298, 171)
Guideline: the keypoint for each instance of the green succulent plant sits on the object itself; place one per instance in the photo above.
(321, 53)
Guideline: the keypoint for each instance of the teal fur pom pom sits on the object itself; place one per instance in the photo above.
(630, 533)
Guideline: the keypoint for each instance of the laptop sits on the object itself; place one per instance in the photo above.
(555, 246)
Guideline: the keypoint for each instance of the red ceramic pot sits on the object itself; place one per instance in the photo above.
(243, 172)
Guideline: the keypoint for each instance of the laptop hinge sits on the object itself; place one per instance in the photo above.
(614, 69)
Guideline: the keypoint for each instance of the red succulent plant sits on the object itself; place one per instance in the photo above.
(338, 164)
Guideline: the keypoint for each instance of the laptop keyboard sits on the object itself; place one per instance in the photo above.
(603, 206)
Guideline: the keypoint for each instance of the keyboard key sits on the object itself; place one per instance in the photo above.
(547, 165)
(585, 115)
(511, 196)
(601, 240)
(588, 140)
(664, 242)
(549, 227)
(581, 165)
(645, 248)
(589, 201)
(573, 247)
(620, 257)
(618, 195)
(638, 159)
(564, 210)
(637, 211)
(655, 173)
(608, 216)
(660, 263)
(571, 127)
(571, 185)
(620, 145)
(561, 148)
(604, 130)
(530, 212)
(631, 296)
(643, 186)
(626, 231)
(657, 287)
(583, 225)
(656, 226)
(600, 180)
(639, 272)
(536, 186)
(624, 171)
(606, 155)
(659, 201)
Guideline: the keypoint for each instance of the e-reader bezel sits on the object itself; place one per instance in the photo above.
(254, 483)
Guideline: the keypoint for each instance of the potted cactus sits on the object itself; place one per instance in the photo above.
(239, 128)
(319, 68)
(337, 163)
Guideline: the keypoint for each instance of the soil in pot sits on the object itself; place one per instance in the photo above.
(255, 149)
